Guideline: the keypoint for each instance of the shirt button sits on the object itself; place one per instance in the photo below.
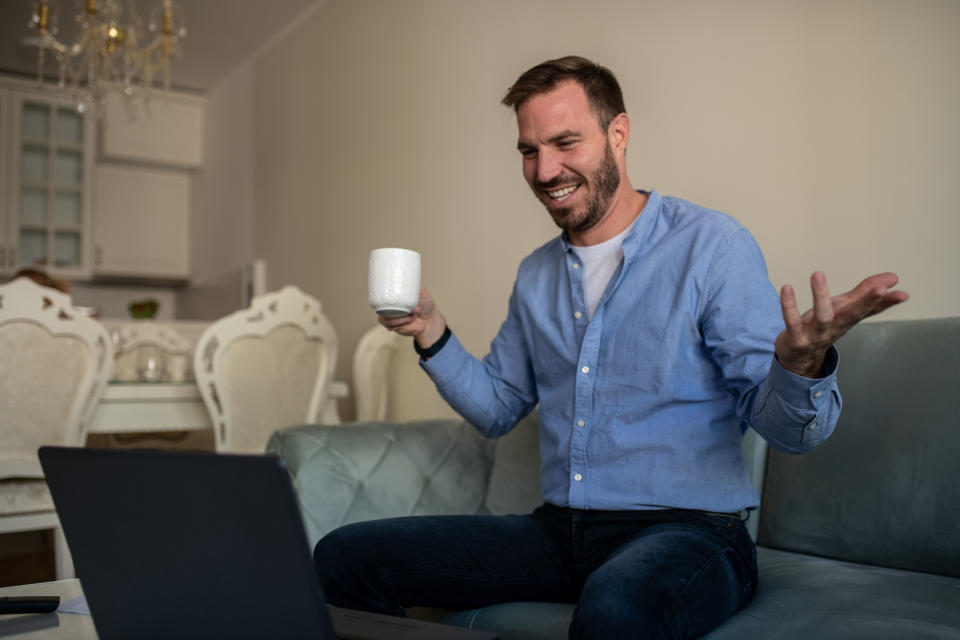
(580, 423)
(577, 315)
(818, 394)
(585, 369)
(575, 266)
(813, 425)
(578, 477)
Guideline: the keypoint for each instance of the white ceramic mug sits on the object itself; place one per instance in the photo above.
(393, 281)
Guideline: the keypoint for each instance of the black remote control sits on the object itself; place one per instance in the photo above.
(29, 604)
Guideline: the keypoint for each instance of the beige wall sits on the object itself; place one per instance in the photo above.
(221, 231)
(829, 128)
(222, 219)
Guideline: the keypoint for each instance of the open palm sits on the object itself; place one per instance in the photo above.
(803, 345)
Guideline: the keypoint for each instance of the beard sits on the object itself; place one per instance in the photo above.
(603, 184)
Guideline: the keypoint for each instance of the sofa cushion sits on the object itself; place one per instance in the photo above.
(883, 488)
(799, 596)
(802, 596)
(517, 620)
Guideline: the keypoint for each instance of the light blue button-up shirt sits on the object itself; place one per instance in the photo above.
(644, 406)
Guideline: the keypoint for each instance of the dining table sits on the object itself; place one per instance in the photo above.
(150, 407)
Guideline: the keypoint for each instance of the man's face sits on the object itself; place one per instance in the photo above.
(567, 158)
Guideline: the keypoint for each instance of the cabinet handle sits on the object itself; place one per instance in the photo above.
(98, 258)
(3, 257)
(12, 256)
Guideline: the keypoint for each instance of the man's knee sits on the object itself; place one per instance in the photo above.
(334, 550)
(346, 563)
(608, 609)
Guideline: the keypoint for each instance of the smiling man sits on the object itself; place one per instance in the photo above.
(650, 337)
(570, 160)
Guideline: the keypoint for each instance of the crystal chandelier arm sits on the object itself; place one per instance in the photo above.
(155, 55)
(107, 54)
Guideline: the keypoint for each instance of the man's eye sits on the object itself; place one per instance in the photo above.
(528, 153)
(566, 144)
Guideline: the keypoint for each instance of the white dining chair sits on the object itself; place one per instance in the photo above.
(265, 367)
(150, 351)
(371, 372)
(54, 366)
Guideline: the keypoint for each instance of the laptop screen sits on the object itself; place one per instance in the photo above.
(174, 544)
(186, 544)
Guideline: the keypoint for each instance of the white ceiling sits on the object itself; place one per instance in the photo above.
(220, 34)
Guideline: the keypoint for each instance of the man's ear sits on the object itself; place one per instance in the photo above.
(618, 133)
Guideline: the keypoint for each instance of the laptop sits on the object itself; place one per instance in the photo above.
(175, 544)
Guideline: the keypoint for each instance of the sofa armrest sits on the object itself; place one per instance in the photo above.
(355, 472)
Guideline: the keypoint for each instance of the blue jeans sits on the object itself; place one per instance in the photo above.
(655, 574)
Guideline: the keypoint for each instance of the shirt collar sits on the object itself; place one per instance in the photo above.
(638, 228)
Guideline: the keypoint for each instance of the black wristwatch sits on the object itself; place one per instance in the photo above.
(433, 349)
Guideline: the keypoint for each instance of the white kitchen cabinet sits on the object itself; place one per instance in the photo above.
(109, 197)
(169, 132)
(47, 150)
(142, 222)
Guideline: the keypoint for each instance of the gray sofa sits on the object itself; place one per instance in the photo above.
(858, 539)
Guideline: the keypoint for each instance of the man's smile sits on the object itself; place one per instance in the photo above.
(562, 193)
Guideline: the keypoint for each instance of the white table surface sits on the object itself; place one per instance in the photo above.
(47, 625)
(146, 407)
(130, 407)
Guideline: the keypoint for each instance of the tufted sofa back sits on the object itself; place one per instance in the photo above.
(351, 473)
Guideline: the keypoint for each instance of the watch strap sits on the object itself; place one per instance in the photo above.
(433, 349)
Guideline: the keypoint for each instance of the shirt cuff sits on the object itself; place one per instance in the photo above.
(798, 391)
(447, 362)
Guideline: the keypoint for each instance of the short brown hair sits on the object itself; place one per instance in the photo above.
(599, 83)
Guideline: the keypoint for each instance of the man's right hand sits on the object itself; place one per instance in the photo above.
(425, 323)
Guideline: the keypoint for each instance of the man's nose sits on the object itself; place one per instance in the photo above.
(548, 165)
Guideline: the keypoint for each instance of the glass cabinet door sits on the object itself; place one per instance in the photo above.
(50, 187)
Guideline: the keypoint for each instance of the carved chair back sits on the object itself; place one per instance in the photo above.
(265, 367)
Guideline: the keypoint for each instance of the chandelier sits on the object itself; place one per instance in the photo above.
(112, 51)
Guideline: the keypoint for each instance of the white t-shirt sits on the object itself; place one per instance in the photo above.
(600, 261)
